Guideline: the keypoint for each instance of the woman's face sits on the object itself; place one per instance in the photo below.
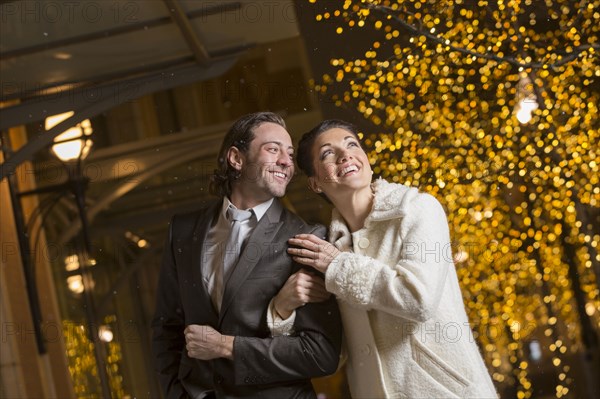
(340, 163)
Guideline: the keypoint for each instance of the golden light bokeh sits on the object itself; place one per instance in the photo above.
(82, 364)
(443, 81)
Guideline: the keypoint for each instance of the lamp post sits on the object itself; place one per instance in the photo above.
(71, 148)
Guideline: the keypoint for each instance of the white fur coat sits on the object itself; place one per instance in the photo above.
(406, 329)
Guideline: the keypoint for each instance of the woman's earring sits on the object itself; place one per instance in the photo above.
(318, 189)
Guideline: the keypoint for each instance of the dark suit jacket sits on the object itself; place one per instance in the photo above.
(263, 366)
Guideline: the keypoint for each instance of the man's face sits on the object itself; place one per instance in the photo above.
(268, 166)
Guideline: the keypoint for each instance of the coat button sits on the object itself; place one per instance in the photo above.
(365, 350)
(363, 243)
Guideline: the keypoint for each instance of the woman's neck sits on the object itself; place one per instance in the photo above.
(355, 207)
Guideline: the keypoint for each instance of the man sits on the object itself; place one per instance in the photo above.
(219, 275)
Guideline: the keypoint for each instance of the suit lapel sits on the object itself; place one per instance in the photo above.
(198, 246)
(257, 246)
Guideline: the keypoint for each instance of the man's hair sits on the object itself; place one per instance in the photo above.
(306, 144)
(240, 135)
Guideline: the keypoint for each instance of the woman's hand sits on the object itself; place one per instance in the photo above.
(299, 289)
(312, 251)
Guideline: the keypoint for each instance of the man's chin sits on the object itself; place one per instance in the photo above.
(278, 192)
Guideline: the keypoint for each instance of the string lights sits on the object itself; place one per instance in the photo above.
(82, 365)
(492, 107)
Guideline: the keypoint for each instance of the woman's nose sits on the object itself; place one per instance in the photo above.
(344, 156)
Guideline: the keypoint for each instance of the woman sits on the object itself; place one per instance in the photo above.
(389, 263)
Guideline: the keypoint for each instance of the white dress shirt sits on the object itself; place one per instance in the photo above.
(213, 253)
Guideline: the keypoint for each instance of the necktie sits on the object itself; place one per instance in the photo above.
(232, 251)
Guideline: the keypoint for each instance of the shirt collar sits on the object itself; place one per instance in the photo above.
(259, 210)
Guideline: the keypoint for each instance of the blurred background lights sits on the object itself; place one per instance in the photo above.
(72, 262)
(492, 107)
(535, 351)
(75, 284)
(105, 333)
(526, 101)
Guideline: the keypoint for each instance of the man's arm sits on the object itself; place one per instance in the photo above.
(168, 325)
(312, 351)
(301, 288)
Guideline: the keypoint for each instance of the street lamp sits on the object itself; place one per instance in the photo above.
(74, 144)
(71, 147)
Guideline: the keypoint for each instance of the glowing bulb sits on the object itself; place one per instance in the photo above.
(526, 100)
(461, 256)
(75, 284)
(535, 350)
(72, 263)
(72, 143)
(524, 115)
(105, 333)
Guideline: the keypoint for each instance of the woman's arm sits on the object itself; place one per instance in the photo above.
(411, 287)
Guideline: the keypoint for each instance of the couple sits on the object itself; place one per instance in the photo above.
(261, 324)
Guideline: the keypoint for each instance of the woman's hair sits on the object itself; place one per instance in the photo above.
(305, 146)
(240, 135)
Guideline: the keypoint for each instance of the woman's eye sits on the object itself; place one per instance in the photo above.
(326, 153)
(272, 149)
(353, 143)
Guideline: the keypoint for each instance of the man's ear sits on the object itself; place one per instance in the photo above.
(235, 158)
(313, 185)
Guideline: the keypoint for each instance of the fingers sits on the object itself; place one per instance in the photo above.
(314, 296)
(312, 290)
(304, 261)
(309, 242)
(190, 329)
(301, 288)
(316, 282)
(312, 250)
(308, 278)
(317, 293)
(310, 238)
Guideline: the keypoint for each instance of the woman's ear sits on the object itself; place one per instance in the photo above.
(235, 158)
(313, 185)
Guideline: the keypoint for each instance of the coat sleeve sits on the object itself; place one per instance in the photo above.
(313, 349)
(412, 287)
(168, 324)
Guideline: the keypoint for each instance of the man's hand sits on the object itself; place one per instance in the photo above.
(299, 289)
(206, 343)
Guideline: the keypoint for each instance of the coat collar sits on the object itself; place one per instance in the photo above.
(390, 202)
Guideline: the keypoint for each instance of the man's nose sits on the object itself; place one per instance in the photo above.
(285, 160)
